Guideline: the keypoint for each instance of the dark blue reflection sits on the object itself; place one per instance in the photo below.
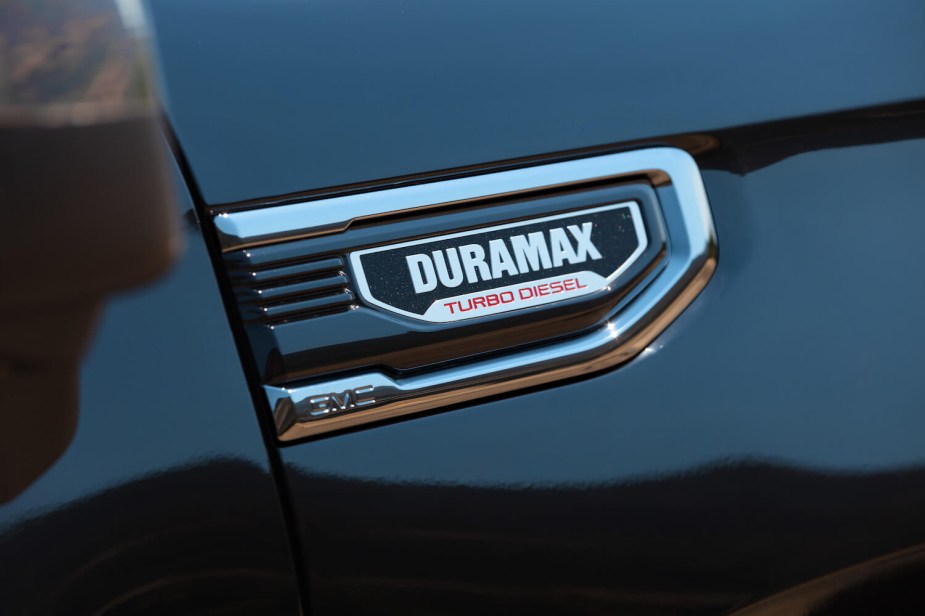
(280, 96)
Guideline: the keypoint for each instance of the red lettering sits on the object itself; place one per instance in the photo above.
(524, 293)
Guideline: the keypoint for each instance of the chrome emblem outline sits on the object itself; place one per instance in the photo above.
(692, 259)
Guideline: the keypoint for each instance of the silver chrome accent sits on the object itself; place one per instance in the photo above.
(248, 228)
(632, 206)
(690, 265)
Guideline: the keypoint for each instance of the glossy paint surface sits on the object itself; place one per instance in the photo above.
(282, 96)
(165, 499)
(772, 434)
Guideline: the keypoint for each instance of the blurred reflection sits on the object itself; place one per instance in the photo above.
(86, 209)
(74, 60)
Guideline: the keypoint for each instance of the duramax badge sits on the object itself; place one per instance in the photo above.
(504, 267)
(378, 302)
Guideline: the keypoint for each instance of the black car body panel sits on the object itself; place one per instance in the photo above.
(772, 435)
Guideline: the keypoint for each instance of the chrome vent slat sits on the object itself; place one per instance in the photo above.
(337, 282)
(313, 307)
(299, 270)
(272, 291)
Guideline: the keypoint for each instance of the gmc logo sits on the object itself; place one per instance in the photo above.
(334, 402)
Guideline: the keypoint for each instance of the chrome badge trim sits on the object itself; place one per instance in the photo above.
(257, 227)
(319, 406)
